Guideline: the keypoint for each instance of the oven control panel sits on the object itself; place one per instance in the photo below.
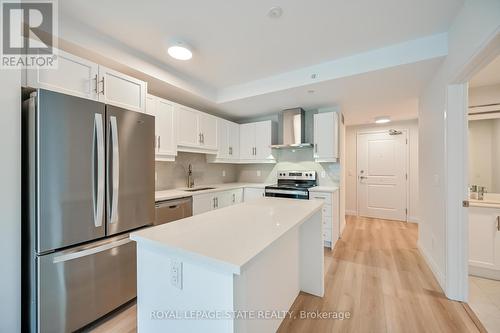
(297, 175)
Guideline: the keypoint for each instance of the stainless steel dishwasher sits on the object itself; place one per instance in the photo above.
(172, 210)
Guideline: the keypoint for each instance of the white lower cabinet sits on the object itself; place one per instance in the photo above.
(484, 242)
(210, 201)
(251, 193)
(331, 225)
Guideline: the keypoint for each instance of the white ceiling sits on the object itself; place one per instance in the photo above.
(235, 43)
(391, 92)
(488, 76)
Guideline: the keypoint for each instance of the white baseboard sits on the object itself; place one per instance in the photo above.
(433, 266)
(487, 273)
(351, 212)
(413, 219)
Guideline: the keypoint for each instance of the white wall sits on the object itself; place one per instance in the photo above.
(351, 173)
(477, 21)
(10, 200)
(484, 95)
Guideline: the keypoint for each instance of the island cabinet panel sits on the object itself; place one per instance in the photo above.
(251, 193)
(218, 274)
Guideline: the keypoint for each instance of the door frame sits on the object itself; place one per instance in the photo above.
(456, 167)
(407, 163)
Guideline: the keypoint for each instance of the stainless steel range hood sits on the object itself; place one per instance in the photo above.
(292, 130)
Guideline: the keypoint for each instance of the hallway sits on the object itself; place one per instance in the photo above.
(377, 274)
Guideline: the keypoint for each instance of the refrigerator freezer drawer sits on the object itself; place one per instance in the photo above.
(80, 285)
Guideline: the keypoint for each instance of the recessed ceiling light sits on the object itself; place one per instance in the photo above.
(382, 120)
(275, 12)
(180, 51)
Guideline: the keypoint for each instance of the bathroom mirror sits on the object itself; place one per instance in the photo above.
(484, 152)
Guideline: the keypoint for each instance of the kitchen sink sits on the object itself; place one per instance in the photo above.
(199, 189)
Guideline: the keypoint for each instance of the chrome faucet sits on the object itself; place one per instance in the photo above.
(190, 179)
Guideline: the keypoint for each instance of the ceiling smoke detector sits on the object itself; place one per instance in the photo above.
(275, 12)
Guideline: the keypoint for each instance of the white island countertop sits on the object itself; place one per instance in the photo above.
(229, 238)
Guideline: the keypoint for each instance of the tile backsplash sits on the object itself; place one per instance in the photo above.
(298, 159)
(173, 174)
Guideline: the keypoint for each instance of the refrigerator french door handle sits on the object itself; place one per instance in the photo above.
(99, 141)
(115, 168)
(90, 251)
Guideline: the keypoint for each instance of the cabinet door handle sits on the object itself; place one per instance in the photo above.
(216, 202)
(159, 141)
(213, 203)
(234, 198)
(96, 84)
(316, 148)
(498, 223)
(102, 81)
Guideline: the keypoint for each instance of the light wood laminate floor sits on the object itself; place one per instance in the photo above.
(376, 274)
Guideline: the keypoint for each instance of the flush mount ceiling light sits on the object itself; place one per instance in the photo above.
(180, 51)
(382, 120)
(275, 12)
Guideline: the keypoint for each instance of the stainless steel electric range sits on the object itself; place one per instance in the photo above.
(293, 184)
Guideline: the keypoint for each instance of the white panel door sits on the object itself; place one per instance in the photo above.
(234, 141)
(165, 123)
(223, 139)
(189, 133)
(203, 203)
(208, 128)
(247, 141)
(263, 136)
(484, 237)
(122, 90)
(74, 76)
(251, 193)
(326, 136)
(381, 167)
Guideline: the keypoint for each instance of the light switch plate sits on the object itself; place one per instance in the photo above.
(258, 173)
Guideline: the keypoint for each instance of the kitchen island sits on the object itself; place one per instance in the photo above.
(237, 269)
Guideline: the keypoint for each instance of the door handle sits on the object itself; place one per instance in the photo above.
(96, 84)
(99, 164)
(90, 251)
(102, 81)
(115, 170)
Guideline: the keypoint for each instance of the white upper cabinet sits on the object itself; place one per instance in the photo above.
(326, 137)
(228, 139)
(189, 134)
(75, 76)
(121, 90)
(208, 130)
(83, 78)
(165, 129)
(197, 131)
(256, 140)
(247, 141)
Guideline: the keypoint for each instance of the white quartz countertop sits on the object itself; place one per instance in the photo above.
(490, 200)
(324, 189)
(229, 238)
(181, 193)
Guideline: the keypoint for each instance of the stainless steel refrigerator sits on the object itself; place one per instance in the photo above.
(88, 181)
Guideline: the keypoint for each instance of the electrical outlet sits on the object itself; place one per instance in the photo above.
(176, 274)
(223, 173)
(258, 173)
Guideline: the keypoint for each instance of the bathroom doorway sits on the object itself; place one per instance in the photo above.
(484, 195)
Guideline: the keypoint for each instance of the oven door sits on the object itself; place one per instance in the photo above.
(291, 194)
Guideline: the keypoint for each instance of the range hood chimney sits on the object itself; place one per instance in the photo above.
(292, 130)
